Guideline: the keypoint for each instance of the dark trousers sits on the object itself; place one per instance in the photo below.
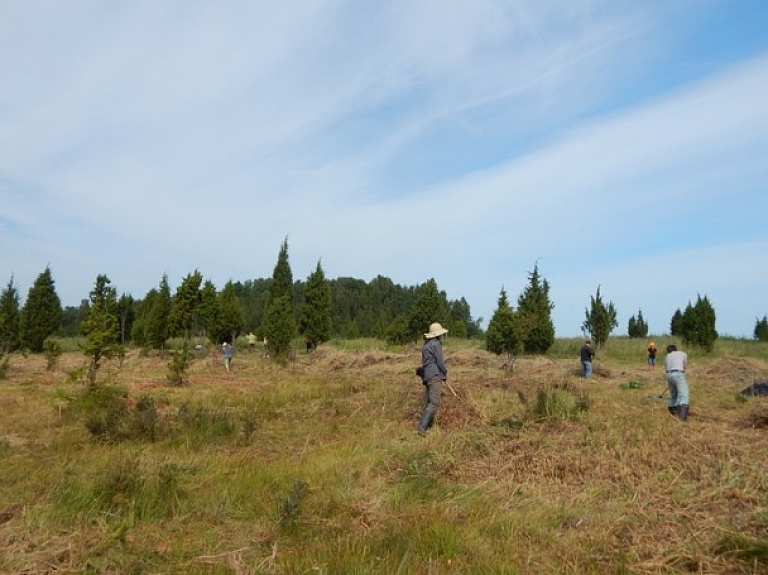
(433, 394)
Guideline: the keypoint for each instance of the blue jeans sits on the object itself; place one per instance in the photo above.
(586, 369)
(678, 389)
(433, 391)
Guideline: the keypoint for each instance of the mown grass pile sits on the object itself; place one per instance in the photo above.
(315, 466)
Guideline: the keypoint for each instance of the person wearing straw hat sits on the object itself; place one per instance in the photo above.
(433, 374)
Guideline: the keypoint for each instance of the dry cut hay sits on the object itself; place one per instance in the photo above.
(739, 369)
(758, 415)
(334, 360)
(471, 358)
(457, 409)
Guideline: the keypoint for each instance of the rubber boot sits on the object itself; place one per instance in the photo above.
(682, 412)
(672, 411)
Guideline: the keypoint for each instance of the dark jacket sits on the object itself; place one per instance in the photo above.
(432, 360)
(586, 353)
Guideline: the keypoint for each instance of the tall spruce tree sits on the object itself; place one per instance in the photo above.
(504, 334)
(182, 321)
(127, 314)
(210, 312)
(430, 307)
(761, 329)
(186, 303)
(102, 327)
(315, 320)
(600, 319)
(41, 313)
(461, 318)
(138, 328)
(157, 328)
(9, 318)
(232, 312)
(637, 327)
(279, 321)
(535, 306)
(676, 323)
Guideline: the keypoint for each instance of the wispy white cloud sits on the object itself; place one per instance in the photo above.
(459, 141)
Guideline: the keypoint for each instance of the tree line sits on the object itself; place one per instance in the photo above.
(317, 309)
(278, 308)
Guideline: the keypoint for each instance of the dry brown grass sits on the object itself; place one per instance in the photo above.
(622, 488)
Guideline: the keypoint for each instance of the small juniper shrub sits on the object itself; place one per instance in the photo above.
(76, 375)
(290, 506)
(178, 366)
(145, 419)
(52, 351)
(111, 417)
(105, 408)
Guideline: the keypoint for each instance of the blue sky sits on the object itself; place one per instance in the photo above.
(615, 143)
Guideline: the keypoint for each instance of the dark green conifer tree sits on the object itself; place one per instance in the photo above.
(637, 327)
(9, 318)
(182, 321)
(41, 313)
(126, 307)
(600, 319)
(398, 331)
(430, 307)
(102, 327)
(698, 325)
(157, 328)
(279, 321)
(210, 312)
(232, 313)
(185, 307)
(315, 321)
(761, 329)
(535, 306)
(504, 334)
(676, 324)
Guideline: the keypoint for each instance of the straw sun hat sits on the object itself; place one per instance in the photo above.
(435, 330)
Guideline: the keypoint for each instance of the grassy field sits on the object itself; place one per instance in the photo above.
(315, 467)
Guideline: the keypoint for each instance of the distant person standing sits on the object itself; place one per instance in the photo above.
(433, 374)
(265, 350)
(251, 342)
(227, 352)
(675, 364)
(587, 355)
(652, 352)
